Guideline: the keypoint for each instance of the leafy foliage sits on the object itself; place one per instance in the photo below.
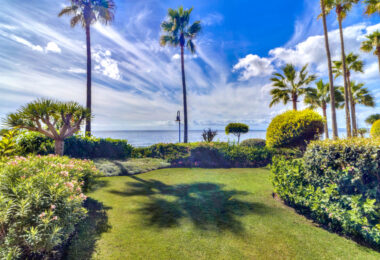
(294, 129)
(40, 203)
(8, 145)
(76, 146)
(237, 129)
(209, 135)
(372, 119)
(375, 129)
(253, 142)
(335, 183)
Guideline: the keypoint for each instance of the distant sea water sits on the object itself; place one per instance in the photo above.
(145, 138)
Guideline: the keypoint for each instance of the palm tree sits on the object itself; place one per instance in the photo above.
(179, 32)
(373, 6)
(342, 7)
(361, 95)
(372, 43)
(329, 63)
(88, 12)
(352, 64)
(320, 96)
(291, 85)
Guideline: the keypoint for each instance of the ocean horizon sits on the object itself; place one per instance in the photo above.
(144, 138)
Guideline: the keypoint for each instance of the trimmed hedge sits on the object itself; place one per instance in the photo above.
(336, 183)
(294, 129)
(375, 129)
(208, 155)
(41, 201)
(76, 146)
(253, 142)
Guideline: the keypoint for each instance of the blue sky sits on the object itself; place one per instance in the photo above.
(137, 82)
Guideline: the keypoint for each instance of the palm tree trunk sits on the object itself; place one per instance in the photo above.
(324, 109)
(346, 98)
(59, 147)
(378, 56)
(88, 101)
(332, 92)
(353, 112)
(184, 95)
(294, 100)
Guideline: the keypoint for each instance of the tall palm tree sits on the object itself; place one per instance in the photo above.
(291, 85)
(342, 7)
(320, 96)
(361, 95)
(179, 32)
(331, 79)
(86, 13)
(372, 43)
(373, 6)
(352, 64)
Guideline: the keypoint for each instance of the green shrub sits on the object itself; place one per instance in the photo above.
(335, 184)
(253, 142)
(8, 145)
(294, 129)
(375, 129)
(76, 146)
(237, 129)
(40, 204)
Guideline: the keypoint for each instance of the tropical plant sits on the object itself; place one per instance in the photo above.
(87, 13)
(57, 120)
(352, 64)
(331, 79)
(372, 119)
(290, 85)
(342, 7)
(372, 43)
(294, 129)
(8, 145)
(179, 32)
(373, 6)
(209, 135)
(362, 132)
(360, 95)
(320, 96)
(237, 129)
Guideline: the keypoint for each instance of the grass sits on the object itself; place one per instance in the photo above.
(201, 214)
(130, 166)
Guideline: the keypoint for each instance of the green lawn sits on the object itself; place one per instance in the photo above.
(201, 214)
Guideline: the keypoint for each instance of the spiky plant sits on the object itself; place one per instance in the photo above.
(372, 44)
(54, 119)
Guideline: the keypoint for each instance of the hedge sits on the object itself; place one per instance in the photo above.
(76, 146)
(294, 129)
(375, 129)
(336, 183)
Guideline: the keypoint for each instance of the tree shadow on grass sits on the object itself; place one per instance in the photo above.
(207, 205)
(82, 244)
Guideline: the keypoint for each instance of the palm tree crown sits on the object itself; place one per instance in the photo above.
(88, 12)
(372, 44)
(291, 85)
(361, 95)
(178, 30)
(353, 64)
(373, 6)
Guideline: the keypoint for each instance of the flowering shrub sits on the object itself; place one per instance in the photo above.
(40, 203)
(335, 183)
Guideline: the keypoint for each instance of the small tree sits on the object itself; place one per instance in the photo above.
(57, 120)
(237, 129)
(209, 135)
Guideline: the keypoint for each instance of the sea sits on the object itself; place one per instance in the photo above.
(144, 138)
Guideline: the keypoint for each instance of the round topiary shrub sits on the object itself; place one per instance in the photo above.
(375, 129)
(294, 129)
(253, 142)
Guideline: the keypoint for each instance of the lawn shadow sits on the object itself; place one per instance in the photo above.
(207, 205)
(82, 244)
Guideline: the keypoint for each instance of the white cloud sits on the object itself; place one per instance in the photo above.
(212, 19)
(254, 66)
(106, 65)
(52, 47)
(77, 70)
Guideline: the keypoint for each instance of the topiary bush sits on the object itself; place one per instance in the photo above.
(75, 146)
(336, 183)
(237, 129)
(41, 201)
(253, 142)
(294, 129)
(375, 129)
